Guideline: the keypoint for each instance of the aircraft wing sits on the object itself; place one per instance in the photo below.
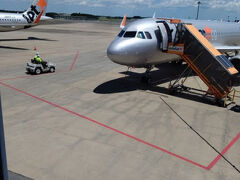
(45, 18)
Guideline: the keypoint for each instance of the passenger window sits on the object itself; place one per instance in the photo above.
(141, 35)
(130, 34)
(121, 33)
(148, 35)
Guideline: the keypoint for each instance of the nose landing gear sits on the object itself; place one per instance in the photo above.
(146, 78)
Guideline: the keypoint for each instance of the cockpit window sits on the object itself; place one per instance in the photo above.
(121, 33)
(148, 35)
(130, 34)
(141, 35)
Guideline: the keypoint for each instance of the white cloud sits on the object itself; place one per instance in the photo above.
(112, 3)
(223, 4)
(214, 4)
(230, 5)
(176, 3)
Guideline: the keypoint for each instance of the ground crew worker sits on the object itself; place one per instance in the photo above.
(37, 58)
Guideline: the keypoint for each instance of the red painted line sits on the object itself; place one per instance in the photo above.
(74, 61)
(214, 162)
(125, 134)
(104, 125)
(31, 76)
(24, 77)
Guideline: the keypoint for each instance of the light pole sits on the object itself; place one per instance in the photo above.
(198, 8)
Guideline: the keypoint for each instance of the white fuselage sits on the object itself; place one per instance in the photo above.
(31, 17)
(11, 22)
(141, 43)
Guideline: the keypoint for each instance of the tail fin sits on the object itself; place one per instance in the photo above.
(35, 11)
(123, 23)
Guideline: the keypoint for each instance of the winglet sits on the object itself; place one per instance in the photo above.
(123, 23)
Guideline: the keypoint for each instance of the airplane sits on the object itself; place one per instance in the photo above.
(27, 19)
(143, 43)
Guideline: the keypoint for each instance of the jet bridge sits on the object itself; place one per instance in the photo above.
(214, 69)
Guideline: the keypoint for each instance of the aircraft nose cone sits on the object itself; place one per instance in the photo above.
(115, 51)
(124, 52)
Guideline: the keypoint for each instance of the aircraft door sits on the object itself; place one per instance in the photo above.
(164, 37)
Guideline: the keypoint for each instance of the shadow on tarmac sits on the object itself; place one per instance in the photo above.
(27, 39)
(132, 80)
(15, 176)
(14, 48)
(127, 84)
(236, 109)
(165, 74)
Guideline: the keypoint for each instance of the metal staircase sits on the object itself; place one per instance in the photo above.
(214, 69)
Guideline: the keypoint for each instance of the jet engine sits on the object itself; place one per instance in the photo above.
(235, 60)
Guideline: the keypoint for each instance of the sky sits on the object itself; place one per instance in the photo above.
(209, 9)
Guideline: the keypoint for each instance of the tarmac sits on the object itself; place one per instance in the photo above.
(93, 119)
